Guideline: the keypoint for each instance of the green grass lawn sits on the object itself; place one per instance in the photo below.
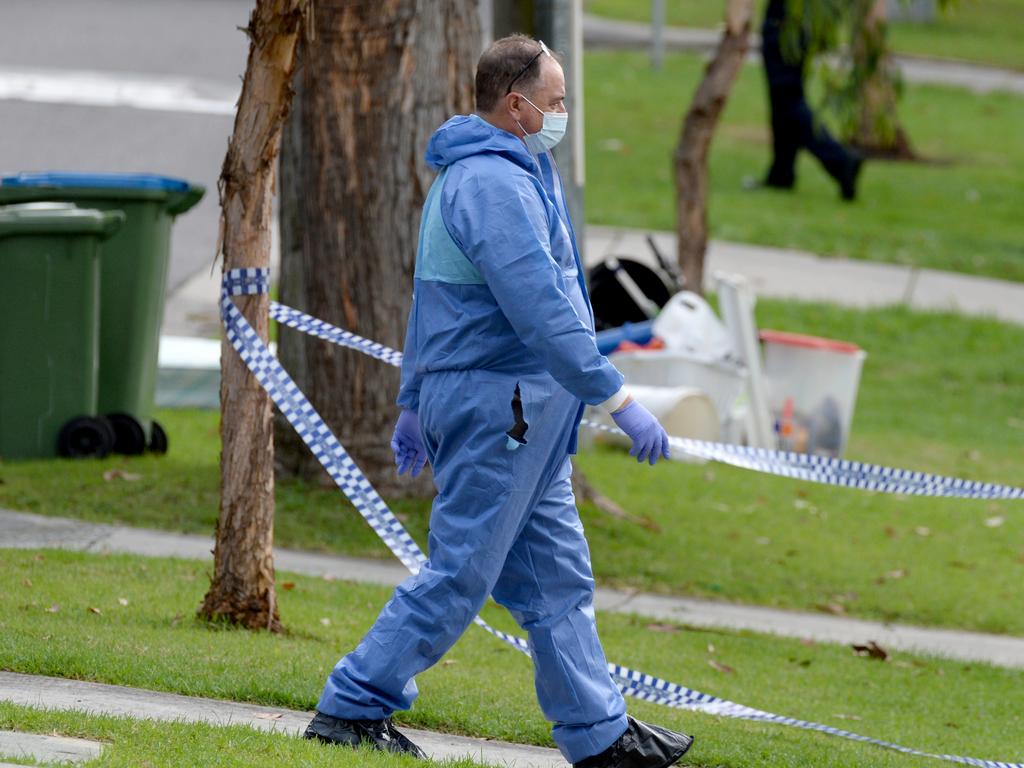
(140, 743)
(960, 213)
(978, 31)
(154, 642)
(939, 393)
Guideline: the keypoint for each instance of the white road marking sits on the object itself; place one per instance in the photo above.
(115, 89)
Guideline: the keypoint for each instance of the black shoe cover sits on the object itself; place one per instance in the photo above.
(379, 734)
(641, 746)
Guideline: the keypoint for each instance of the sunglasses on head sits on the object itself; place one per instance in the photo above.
(524, 70)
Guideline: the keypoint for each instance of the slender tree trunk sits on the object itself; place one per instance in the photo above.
(242, 588)
(691, 155)
(377, 81)
(878, 131)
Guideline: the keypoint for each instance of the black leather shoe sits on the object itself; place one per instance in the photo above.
(379, 734)
(641, 746)
(848, 183)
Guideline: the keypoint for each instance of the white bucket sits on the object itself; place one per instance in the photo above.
(722, 381)
(682, 411)
(812, 388)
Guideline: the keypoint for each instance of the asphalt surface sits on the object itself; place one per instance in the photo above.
(193, 40)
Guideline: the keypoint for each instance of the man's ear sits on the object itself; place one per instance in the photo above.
(514, 104)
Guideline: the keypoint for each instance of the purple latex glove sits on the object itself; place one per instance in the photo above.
(407, 443)
(650, 441)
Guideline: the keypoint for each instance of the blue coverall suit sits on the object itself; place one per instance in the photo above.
(499, 303)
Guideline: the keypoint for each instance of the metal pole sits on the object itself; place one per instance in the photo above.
(560, 24)
(657, 33)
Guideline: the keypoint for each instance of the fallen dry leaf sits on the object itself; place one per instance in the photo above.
(835, 608)
(288, 586)
(923, 531)
(268, 716)
(449, 662)
(658, 626)
(872, 650)
(94, 609)
(725, 669)
(27, 583)
(120, 474)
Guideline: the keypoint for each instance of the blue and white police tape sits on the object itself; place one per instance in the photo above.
(353, 483)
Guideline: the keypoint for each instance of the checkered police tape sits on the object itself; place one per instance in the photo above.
(353, 483)
(800, 466)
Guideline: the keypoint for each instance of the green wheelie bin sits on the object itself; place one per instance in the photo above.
(49, 330)
(133, 280)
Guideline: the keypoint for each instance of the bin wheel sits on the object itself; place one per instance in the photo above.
(85, 437)
(129, 436)
(157, 439)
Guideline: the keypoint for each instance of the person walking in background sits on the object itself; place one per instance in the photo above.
(793, 124)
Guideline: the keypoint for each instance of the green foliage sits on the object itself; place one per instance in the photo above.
(979, 31)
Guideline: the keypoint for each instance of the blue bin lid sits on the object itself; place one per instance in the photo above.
(71, 180)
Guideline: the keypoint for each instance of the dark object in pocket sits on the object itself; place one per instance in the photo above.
(518, 431)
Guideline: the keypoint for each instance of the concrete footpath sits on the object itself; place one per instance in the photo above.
(19, 530)
(119, 701)
(42, 748)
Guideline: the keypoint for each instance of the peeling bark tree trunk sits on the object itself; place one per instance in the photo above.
(691, 155)
(242, 589)
(878, 132)
(377, 80)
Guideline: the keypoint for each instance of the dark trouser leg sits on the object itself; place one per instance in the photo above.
(786, 135)
(833, 156)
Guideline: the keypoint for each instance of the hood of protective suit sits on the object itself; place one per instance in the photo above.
(466, 135)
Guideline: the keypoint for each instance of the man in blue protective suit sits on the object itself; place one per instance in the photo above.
(500, 358)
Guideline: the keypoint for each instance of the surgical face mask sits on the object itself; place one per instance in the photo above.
(551, 132)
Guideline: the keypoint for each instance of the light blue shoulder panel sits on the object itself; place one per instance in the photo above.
(438, 258)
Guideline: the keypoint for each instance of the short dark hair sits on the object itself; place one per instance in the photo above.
(515, 57)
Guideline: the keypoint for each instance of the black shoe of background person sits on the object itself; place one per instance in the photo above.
(848, 183)
(379, 734)
(641, 746)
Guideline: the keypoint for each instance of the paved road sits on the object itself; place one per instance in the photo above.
(194, 41)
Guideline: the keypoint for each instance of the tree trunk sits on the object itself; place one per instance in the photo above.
(691, 155)
(377, 80)
(878, 132)
(242, 588)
